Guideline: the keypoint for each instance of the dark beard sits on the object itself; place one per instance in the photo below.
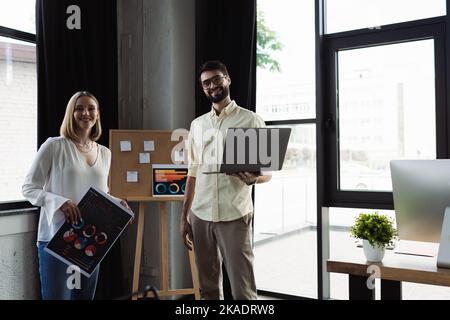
(219, 97)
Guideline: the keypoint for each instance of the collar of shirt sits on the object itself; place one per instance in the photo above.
(226, 111)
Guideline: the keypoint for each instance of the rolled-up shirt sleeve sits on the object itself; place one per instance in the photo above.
(37, 179)
(259, 122)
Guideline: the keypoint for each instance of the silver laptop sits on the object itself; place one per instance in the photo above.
(253, 150)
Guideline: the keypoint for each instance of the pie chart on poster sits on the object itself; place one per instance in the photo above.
(79, 225)
(80, 243)
(89, 231)
(69, 236)
(90, 250)
(101, 238)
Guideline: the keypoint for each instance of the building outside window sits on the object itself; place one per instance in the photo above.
(18, 96)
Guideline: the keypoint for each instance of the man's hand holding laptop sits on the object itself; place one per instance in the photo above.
(251, 178)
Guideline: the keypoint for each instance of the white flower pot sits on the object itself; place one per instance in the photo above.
(373, 253)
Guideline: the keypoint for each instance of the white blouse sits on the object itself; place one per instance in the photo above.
(60, 173)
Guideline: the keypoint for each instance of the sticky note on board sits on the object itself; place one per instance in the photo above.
(149, 145)
(144, 157)
(125, 145)
(132, 176)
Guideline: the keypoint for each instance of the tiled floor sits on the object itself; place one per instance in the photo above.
(288, 264)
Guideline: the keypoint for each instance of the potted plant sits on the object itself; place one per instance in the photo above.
(377, 232)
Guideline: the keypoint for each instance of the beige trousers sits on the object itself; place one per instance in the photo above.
(230, 242)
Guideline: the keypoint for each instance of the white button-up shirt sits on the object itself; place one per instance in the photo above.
(218, 197)
(60, 173)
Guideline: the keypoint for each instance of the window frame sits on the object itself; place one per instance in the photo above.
(16, 205)
(434, 28)
(17, 34)
(325, 199)
(384, 26)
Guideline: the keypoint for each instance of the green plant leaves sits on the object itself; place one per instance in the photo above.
(377, 229)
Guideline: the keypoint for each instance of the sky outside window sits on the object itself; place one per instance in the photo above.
(18, 14)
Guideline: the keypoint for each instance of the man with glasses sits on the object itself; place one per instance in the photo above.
(217, 209)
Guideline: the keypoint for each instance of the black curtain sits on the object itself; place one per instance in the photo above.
(74, 60)
(226, 31)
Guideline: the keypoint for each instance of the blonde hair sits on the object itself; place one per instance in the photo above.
(67, 127)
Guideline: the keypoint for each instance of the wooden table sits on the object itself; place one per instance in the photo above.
(394, 269)
(164, 289)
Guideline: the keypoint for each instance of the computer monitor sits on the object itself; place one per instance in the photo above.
(421, 190)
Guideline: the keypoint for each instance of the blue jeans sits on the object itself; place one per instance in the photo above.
(54, 276)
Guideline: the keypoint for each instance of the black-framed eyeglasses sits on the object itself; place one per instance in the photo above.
(216, 80)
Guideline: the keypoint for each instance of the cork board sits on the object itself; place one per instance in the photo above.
(129, 161)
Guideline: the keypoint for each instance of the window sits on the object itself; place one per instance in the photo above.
(384, 98)
(286, 207)
(18, 15)
(286, 74)
(285, 220)
(386, 93)
(343, 15)
(18, 99)
(385, 101)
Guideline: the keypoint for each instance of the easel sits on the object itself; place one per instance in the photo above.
(164, 289)
(121, 163)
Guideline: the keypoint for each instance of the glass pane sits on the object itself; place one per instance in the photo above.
(386, 111)
(285, 60)
(344, 15)
(285, 221)
(18, 115)
(18, 15)
(343, 245)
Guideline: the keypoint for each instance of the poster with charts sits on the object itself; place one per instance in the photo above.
(86, 244)
(169, 180)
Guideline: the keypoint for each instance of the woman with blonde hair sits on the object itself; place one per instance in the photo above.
(63, 170)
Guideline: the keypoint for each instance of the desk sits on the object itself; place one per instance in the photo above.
(164, 289)
(394, 269)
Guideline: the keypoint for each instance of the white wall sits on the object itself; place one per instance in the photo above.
(19, 278)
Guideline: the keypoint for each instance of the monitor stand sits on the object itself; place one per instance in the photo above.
(443, 259)
(417, 248)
